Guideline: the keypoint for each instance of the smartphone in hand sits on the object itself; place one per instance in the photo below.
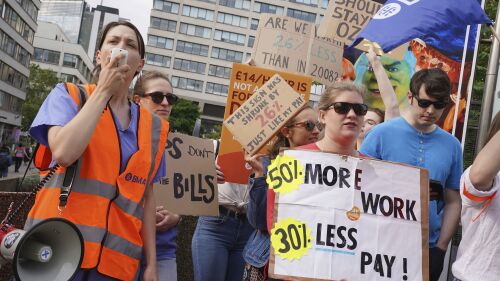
(116, 51)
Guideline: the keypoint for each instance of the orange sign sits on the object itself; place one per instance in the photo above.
(245, 80)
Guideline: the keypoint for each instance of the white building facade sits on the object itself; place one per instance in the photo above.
(196, 42)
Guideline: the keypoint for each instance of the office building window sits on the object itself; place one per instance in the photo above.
(160, 42)
(267, 8)
(301, 15)
(225, 54)
(238, 4)
(324, 4)
(46, 56)
(166, 6)
(28, 6)
(187, 84)
(18, 24)
(195, 30)
(70, 78)
(209, 1)
(158, 60)
(232, 19)
(313, 3)
(254, 24)
(251, 41)
(10, 46)
(229, 37)
(189, 66)
(216, 89)
(163, 24)
(219, 71)
(12, 76)
(70, 60)
(10, 103)
(198, 13)
(192, 48)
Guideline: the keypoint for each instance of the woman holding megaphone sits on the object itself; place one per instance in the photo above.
(110, 150)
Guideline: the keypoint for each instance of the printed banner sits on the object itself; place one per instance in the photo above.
(245, 80)
(263, 114)
(190, 185)
(345, 218)
(289, 44)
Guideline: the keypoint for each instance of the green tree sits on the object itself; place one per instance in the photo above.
(40, 83)
(183, 117)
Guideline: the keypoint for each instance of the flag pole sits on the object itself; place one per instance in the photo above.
(460, 82)
(494, 32)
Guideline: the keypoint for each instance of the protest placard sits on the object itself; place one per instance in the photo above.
(289, 44)
(345, 218)
(344, 19)
(190, 185)
(245, 80)
(256, 121)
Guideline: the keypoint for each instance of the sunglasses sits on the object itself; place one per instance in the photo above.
(157, 97)
(423, 103)
(344, 107)
(308, 125)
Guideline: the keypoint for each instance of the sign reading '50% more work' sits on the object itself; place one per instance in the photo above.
(290, 238)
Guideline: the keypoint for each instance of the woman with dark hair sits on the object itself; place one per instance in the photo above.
(479, 250)
(302, 129)
(154, 92)
(116, 149)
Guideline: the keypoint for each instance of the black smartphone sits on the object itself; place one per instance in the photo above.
(436, 190)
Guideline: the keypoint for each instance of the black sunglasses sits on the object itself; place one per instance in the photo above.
(308, 125)
(157, 97)
(344, 107)
(423, 103)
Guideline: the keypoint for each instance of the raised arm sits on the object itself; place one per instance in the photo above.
(384, 84)
(68, 142)
(486, 165)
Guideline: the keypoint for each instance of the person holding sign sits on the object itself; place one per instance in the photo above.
(479, 250)
(302, 129)
(97, 139)
(154, 92)
(414, 139)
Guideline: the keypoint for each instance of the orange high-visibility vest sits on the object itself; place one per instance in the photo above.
(106, 205)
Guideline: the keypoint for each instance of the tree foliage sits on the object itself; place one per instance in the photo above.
(183, 116)
(40, 83)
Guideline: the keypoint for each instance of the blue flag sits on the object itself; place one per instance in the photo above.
(400, 21)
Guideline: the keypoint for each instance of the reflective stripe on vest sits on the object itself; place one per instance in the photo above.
(107, 206)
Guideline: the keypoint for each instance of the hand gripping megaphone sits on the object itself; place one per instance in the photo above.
(50, 250)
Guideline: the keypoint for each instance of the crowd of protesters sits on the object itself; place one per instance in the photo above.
(137, 241)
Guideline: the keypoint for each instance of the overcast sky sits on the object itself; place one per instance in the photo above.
(137, 11)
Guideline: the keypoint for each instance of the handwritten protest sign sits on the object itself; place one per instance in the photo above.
(344, 19)
(245, 80)
(263, 114)
(190, 185)
(289, 44)
(348, 218)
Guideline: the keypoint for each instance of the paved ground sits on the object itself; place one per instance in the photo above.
(22, 169)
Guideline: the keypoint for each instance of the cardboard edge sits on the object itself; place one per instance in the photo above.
(424, 214)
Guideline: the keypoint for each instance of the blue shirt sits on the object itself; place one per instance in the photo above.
(59, 108)
(438, 151)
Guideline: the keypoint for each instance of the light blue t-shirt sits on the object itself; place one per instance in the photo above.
(438, 151)
(59, 108)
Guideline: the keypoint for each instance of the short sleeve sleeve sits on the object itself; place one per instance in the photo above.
(453, 180)
(370, 145)
(57, 110)
(472, 196)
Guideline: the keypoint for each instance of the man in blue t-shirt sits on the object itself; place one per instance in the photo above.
(414, 139)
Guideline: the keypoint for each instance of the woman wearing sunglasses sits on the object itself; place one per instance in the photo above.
(154, 92)
(302, 129)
